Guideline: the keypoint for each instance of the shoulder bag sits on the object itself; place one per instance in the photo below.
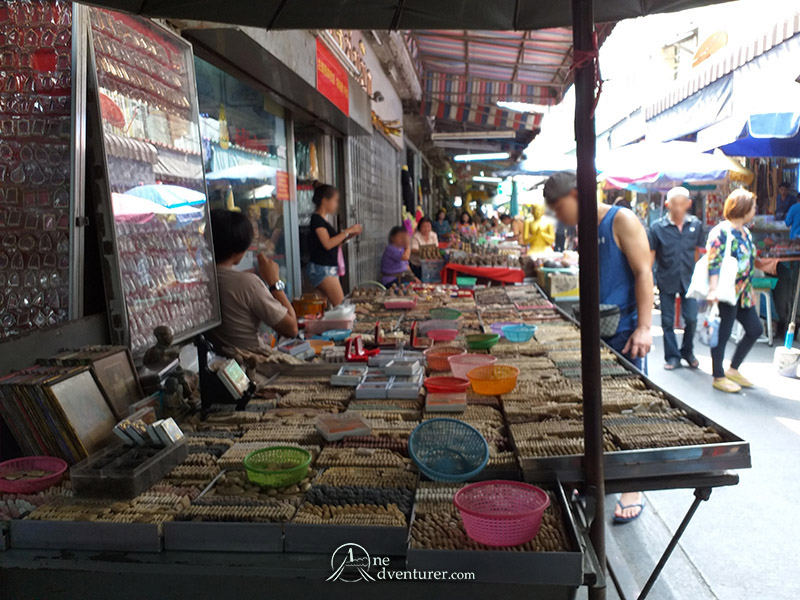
(726, 286)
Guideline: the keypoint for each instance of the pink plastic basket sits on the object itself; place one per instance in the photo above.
(442, 335)
(54, 466)
(462, 364)
(501, 513)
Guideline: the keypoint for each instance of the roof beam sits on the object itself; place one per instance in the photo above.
(466, 54)
(520, 54)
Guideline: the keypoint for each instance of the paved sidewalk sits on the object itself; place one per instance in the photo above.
(740, 544)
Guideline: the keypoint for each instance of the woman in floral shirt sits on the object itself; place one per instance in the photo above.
(740, 208)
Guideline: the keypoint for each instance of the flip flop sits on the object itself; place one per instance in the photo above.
(622, 520)
(672, 364)
(692, 360)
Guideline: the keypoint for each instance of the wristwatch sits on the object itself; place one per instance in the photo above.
(278, 286)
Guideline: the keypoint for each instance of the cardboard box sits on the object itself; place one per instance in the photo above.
(561, 285)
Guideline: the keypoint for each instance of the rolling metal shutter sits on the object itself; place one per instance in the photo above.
(373, 199)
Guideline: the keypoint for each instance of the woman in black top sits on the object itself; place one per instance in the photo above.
(324, 243)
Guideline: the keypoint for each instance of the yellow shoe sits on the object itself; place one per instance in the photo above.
(726, 385)
(737, 377)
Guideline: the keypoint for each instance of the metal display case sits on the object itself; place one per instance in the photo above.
(158, 262)
(38, 88)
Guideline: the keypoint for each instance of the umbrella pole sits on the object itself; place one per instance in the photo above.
(583, 35)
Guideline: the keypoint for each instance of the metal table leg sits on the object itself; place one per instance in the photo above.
(623, 579)
(700, 495)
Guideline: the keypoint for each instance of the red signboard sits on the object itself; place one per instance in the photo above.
(332, 79)
(282, 185)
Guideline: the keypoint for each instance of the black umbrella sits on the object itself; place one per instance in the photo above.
(393, 14)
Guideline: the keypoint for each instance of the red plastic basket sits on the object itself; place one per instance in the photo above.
(437, 357)
(55, 467)
(501, 513)
(446, 385)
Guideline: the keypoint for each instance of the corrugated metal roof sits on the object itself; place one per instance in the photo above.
(726, 61)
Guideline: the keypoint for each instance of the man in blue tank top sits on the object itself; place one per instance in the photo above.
(626, 281)
(626, 276)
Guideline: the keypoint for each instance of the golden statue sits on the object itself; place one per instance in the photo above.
(540, 232)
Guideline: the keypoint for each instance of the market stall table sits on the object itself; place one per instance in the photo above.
(770, 265)
(498, 274)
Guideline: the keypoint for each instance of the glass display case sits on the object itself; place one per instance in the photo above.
(35, 135)
(244, 149)
(159, 266)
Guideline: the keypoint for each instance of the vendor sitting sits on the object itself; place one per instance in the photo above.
(423, 236)
(394, 264)
(245, 300)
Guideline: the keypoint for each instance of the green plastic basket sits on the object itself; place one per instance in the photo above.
(277, 466)
(482, 341)
(447, 314)
(765, 283)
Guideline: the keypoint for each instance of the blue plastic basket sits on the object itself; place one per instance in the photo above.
(448, 450)
(519, 333)
(336, 335)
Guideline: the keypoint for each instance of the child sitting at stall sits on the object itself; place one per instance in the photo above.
(394, 264)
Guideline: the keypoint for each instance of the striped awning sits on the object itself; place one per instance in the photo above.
(483, 67)
(446, 87)
(725, 62)
(132, 149)
(488, 116)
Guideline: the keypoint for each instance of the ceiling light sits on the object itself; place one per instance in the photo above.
(476, 135)
(482, 179)
(484, 156)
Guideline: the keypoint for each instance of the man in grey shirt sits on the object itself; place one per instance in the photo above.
(246, 300)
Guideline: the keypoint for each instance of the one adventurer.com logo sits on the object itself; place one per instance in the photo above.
(352, 563)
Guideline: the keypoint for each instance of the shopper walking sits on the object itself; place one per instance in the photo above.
(739, 209)
(423, 236)
(325, 245)
(442, 225)
(674, 242)
(626, 280)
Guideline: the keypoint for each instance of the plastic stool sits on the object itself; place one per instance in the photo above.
(767, 295)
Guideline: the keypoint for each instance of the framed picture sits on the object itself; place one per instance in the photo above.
(87, 413)
(118, 378)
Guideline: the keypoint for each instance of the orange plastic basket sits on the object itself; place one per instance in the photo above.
(493, 380)
(437, 356)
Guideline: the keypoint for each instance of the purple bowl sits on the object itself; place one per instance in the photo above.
(498, 327)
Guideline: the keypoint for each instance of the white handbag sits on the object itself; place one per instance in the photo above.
(726, 286)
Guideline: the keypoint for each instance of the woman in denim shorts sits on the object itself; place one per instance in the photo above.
(324, 243)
